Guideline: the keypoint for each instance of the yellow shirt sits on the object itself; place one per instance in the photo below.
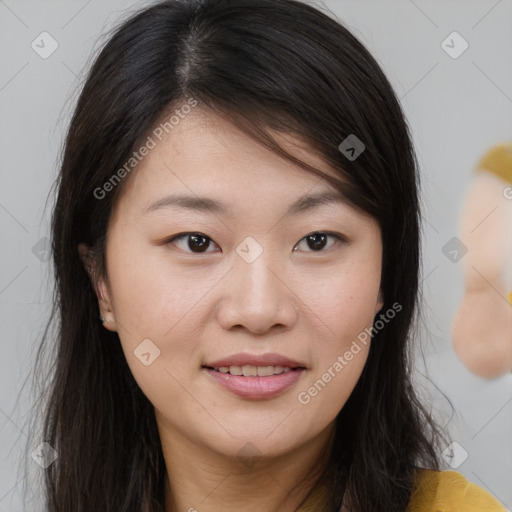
(437, 491)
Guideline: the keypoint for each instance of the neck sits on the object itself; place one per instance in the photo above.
(199, 479)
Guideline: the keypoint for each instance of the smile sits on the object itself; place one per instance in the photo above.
(255, 382)
(254, 371)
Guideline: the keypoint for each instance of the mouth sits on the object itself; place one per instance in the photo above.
(255, 376)
(254, 371)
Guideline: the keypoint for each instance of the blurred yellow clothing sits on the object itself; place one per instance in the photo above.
(498, 160)
(449, 491)
(437, 491)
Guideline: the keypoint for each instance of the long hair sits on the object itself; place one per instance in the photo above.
(265, 65)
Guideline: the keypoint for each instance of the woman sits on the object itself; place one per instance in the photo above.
(236, 253)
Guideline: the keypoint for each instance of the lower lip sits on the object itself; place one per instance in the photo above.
(256, 387)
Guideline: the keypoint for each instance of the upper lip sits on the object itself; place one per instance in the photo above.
(255, 360)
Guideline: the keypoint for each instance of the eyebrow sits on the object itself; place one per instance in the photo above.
(205, 204)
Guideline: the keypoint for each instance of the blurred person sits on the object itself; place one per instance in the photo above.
(482, 326)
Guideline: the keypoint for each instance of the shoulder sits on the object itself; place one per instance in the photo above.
(449, 491)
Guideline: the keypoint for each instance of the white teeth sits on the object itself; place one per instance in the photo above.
(235, 370)
(250, 371)
(265, 371)
(253, 371)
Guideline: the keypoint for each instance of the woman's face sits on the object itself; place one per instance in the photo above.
(250, 285)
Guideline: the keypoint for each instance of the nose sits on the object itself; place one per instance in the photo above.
(256, 297)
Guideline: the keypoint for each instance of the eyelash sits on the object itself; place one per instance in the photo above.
(337, 236)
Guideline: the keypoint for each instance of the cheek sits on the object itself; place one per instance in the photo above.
(343, 342)
(154, 301)
(344, 303)
(326, 392)
(152, 297)
(345, 307)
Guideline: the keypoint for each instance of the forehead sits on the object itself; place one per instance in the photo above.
(204, 154)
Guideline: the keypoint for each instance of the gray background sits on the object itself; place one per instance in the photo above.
(457, 109)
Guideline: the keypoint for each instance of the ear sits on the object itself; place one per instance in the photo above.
(99, 284)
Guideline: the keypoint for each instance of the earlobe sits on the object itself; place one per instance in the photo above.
(106, 310)
(106, 315)
(109, 321)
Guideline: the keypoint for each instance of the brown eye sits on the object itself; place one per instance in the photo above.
(195, 242)
(199, 242)
(316, 242)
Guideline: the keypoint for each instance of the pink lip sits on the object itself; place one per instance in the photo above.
(255, 360)
(256, 387)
